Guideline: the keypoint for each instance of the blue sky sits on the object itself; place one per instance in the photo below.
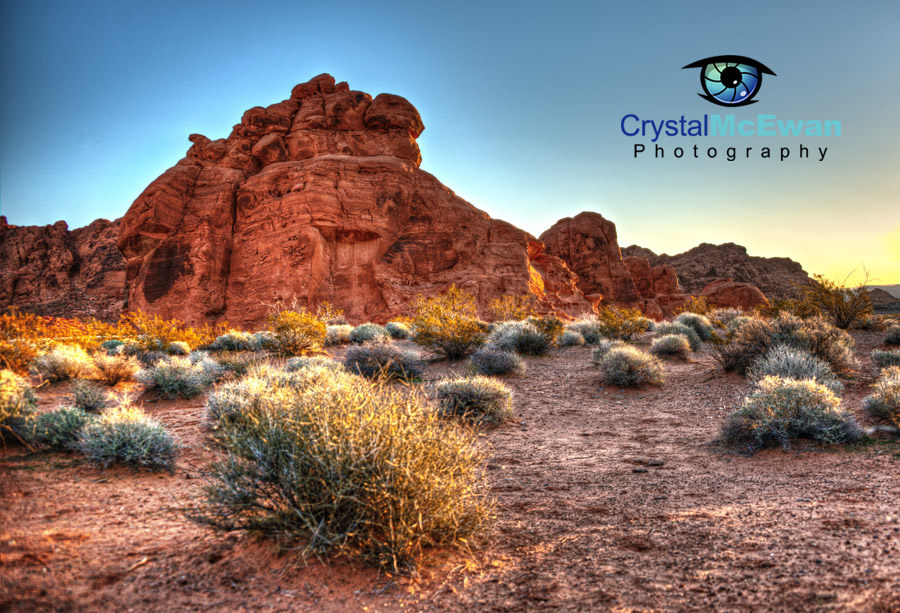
(521, 102)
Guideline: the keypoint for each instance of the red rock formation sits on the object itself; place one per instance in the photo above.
(587, 243)
(730, 293)
(700, 266)
(51, 270)
(658, 286)
(320, 197)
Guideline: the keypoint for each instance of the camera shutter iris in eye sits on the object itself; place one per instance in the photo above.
(730, 83)
(730, 80)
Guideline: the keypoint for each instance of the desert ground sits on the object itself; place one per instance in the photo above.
(605, 500)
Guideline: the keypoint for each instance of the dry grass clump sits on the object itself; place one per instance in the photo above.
(298, 364)
(346, 467)
(296, 332)
(368, 332)
(113, 369)
(381, 359)
(337, 334)
(783, 409)
(671, 345)
(524, 337)
(627, 366)
(752, 340)
(447, 326)
(234, 340)
(792, 363)
(570, 338)
(893, 336)
(126, 435)
(603, 347)
(622, 323)
(723, 316)
(88, 396)
(886, 358)
(479, 400)
(700, 323)
(588, 327)
(17, 406)
(60, 429)
(63, 362)
(398, 330)
(492, 360)
(180, 377)
(671, 327)
(884, 402)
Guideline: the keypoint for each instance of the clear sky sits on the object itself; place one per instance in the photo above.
(522, 103)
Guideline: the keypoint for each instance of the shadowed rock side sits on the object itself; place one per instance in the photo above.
(320, 197)
(697, 268)
(51, 270)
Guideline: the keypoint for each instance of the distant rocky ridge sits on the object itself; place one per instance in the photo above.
(51, 270)
(706, 263)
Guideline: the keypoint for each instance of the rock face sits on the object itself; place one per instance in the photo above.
(51, 270)
(320, 197)
(589, 246)
(697, 268)
(730, 293)
(658, 286)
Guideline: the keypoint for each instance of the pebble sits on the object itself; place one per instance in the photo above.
(639, 470)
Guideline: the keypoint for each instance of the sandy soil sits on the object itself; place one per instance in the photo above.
(606, 500)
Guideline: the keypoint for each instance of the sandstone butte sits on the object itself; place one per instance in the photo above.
(320, 198)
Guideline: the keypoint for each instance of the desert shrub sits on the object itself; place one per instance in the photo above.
(382, 359)
(630, 367)
(701, 325)
(126, 435)
(113, 369)
(873, 323)
(843, 306)
(345, 467)
(721, 317)
(60, 429)
(296, 332)
(696, 304)
(570, 338)
(235, 363)
(893, 336)
(512, 308)
(492, 360)
(671, 345)
(178, 348)
(520, 336)
(479, 400)
(886, 358)
(792, 363)
(179, 377)
(779, 410)
(149, 359)
(368, 332)
(621, 323)
(603, 347)
(884, 402)
(264, 340)
(298, 364)
(687, 332)
(330, 315)
(397, 330)
(738, 322)
(17, 355)
(64, 362)
(588, 327)
(447, 326)
(742, 347)
(113, 346)
(786, 306)
(229, 399)
(17, 406)
(338, 334)
(551, 327)
(234, 340)
(88, 396)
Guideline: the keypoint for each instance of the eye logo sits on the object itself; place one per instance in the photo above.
(730, 80)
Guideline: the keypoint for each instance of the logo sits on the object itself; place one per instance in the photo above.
(730, 80)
